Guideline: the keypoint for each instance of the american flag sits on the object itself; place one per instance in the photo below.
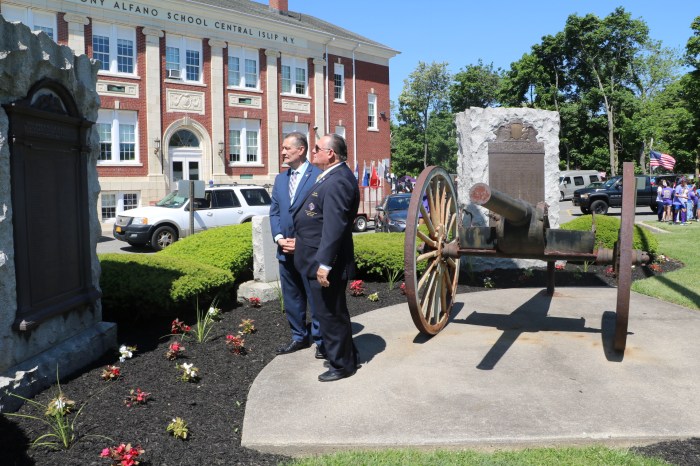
(657, 159)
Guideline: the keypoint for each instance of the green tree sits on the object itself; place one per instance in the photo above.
(424, 94)
(601, 54)
(475, 86)
(690, 91)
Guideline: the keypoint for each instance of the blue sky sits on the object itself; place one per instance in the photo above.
(461, 32)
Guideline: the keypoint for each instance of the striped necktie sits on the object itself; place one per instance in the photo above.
(292, 185)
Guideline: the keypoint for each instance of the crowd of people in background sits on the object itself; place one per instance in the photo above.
(677, 204)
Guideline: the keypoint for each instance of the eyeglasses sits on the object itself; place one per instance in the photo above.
(318, 149)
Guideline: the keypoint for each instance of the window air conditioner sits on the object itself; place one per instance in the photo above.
(173, 74)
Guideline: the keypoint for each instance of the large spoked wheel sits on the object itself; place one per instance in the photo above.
(623, 257)
(431, 224)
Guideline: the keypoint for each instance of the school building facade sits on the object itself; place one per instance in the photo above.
(207, 89)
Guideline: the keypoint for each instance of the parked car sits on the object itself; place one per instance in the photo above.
(598, 200)
(391, 213)
(162, 224)
(570, 181)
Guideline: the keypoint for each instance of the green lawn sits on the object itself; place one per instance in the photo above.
(536, 456)
(682, 286)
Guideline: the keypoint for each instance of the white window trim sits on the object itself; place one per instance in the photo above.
(244, 125)
(115, 32)
(244, 54)
(372, 101)
(293, 63)
(114, 118)
(184, 43)
(339, 69)
(31, 17)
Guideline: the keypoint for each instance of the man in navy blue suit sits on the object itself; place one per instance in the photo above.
(325, 254)
(291, 187)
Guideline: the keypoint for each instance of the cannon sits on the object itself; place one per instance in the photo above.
(438, 233)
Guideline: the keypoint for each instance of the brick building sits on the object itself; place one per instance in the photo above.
(207, 89)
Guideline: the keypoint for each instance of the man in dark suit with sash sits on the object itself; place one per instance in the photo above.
(325, 253)
(290, 188)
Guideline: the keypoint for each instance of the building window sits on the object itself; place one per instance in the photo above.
(340, 131)
(177, 48)
(243, 68)
(339, 82)
(131, 201)
(117, 133)
(109, 206)
(116, 203)
(244, 141)
(372, 111)
(36, 20)
(302, 128)
(294, 76)
(114, 47)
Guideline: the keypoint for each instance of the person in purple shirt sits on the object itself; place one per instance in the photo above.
(692, 205)
(679, 202)
(667, 199)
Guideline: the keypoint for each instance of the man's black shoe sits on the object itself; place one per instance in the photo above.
(320, 354)
(292, 347)
(332, 375)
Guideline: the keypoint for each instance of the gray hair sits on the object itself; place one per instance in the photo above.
(299, 140)
(337, 143)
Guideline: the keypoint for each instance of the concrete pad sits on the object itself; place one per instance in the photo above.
(513, 368)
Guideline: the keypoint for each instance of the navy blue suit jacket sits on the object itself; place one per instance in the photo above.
(323, 222)
(281, 220)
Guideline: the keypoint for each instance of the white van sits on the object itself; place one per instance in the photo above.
(570, 181)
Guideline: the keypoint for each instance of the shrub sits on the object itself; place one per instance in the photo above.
(141, 285)
(607, 229)
(229, 248)
(377, 254)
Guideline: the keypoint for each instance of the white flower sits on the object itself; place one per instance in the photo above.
(125, 352)
(59, 404)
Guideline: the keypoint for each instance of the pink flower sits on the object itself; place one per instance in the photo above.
(105, 452)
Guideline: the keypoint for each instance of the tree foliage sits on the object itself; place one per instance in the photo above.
(618, 93)
(424, 94)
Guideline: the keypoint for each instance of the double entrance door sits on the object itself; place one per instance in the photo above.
(185, 165)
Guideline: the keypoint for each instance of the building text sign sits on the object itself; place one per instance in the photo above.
(180, 17)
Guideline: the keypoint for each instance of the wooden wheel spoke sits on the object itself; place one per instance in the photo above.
(451, 262)
(426, 218)
(429, 241)
(426, 299)
(426, 275)
(451, 224)
(426, 256)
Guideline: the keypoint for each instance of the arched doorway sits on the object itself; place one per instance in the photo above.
(185, 154)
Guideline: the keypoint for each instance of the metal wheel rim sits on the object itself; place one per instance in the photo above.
(431, 293)
(623, 257)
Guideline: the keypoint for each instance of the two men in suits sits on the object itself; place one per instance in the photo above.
(324, 252)
(290, 188)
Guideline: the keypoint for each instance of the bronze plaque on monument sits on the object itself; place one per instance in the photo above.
(516, 162)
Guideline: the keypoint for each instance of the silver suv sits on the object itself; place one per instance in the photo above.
(162, 224)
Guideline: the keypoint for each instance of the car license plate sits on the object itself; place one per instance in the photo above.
(118, 229)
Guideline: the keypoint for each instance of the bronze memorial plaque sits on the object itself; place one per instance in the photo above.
(516, 162)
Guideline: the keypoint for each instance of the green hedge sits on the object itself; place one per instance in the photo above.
(376, 254)
(142, 285)
(229, 248)
(607, 229)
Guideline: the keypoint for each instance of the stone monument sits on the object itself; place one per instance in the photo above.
(50, 312)
(514, 150)
(265, 284)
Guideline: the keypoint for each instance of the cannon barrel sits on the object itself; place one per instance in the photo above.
(514, 210)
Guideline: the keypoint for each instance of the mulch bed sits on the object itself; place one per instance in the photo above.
(214, 406)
